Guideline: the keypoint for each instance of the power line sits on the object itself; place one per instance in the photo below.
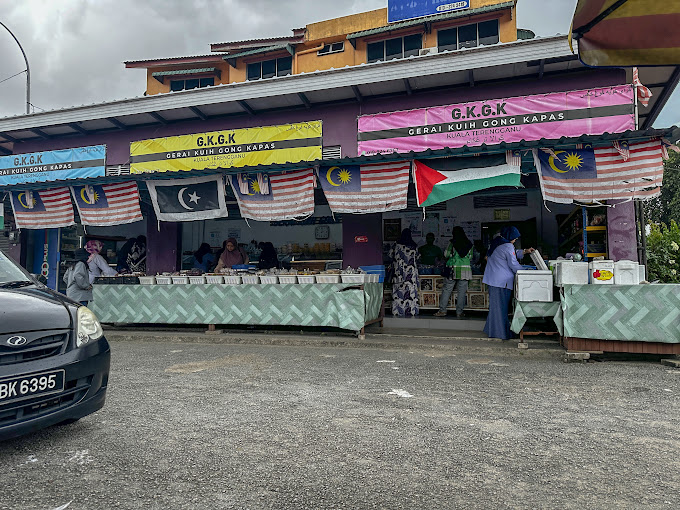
(20, 72)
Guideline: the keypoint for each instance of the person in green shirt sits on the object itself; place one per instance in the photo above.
(429, 252)
(457, 273)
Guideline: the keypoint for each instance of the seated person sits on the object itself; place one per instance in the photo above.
(203, 258)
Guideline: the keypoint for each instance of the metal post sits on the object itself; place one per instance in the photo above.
(28, 70)
(643, 233)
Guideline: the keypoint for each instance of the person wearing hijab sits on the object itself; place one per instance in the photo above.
(232, 255)
(268, 257)
(137, 257)
(405, 276)
(122, 266)
(457, 272)
(97, 264)
(499, 276)
(77, 279)
(203, 258)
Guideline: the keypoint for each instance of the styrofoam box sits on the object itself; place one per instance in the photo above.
(538, 261)
(626, 272)
(571, 273)
(534, 285)
(601, 272)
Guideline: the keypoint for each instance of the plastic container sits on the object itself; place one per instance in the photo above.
(147, 280)
(250, 278)
(306, 278)
(163, 280)
(379, 270)
(243, 266)
(534, 285)
(601, 272)
(353, 278)
(538, 261)
(328, 278)
(269, 279)
(287, 278)
(214, 278)
(626, 272)
(197, 279)
(232, 280)
(374, 278)
(571, 273)
(180, 280)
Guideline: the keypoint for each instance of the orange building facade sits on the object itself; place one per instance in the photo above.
(340, 42)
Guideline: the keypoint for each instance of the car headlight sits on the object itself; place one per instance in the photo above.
(88, 327)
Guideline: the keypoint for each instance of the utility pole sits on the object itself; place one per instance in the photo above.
(28, 70)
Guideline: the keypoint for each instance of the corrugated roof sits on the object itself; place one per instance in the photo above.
(203, 70)
(257, 51)
(430, 19)
(211, 56)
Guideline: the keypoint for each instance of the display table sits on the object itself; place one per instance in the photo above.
(525, 310)
(621, 318)
(343, 306)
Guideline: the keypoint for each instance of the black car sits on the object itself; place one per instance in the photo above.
(54, 359)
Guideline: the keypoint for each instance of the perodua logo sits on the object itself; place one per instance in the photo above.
(16, 341)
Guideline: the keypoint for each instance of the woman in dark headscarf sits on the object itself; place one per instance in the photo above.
(232, 255)
(405, 280)
(77, 278)
(457, 272)
(137, 257)
(203, 258)
(268, 257)
(122, 255)
(501, 266)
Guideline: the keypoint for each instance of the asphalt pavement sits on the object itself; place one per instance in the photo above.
(215, 422)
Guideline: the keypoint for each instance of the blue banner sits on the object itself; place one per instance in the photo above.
(56, 165)
(400, 10)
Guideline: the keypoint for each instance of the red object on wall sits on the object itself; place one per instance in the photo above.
(361, 239)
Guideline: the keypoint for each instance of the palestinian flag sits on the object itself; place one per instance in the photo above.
(438, 180)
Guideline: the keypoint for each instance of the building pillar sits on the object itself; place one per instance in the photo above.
(162, 247)
(361, 240)
(621, 231)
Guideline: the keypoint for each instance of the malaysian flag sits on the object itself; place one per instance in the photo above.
(587, 175)
(51, 208)
(291, 196)
(643, 93)
(377, 187)
(107, 204)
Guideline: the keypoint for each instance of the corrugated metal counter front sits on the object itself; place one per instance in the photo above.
(342, 306)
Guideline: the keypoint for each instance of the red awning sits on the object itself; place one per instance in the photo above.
(627, 32)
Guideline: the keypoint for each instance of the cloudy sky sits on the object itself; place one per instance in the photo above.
(76, 48)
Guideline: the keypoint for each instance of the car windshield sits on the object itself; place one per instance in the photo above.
(10, 272)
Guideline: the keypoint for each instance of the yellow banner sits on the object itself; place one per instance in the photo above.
(234, 148)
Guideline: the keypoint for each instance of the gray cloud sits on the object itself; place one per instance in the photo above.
(76, 48)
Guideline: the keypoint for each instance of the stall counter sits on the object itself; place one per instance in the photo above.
(343, 306)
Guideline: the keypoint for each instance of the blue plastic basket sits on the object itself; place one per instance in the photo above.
(379, 270)
(243, 266)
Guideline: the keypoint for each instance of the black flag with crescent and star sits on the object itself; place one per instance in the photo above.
(195, 198)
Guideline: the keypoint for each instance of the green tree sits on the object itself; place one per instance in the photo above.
(663, 252)
(666, 207)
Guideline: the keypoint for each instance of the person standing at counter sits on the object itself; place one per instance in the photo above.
(203, 258)
(502, 264)
(232, 255)
(137, 257)
(77, 279)
(97, 264)
(405, 276)
(429, 252)
(122, 266)
(457, 272)
(268, 257)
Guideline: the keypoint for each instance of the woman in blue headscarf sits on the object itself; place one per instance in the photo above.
(502, 264)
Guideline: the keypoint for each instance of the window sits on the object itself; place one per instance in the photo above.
(269, 68)
(191, 83)
(336, 47)
(399, 47)
(468, 36)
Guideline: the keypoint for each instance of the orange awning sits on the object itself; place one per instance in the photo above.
(627, 32)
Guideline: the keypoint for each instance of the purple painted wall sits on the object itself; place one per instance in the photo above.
(339, 121)
(361, 254)
(162, 246)
(621, 232)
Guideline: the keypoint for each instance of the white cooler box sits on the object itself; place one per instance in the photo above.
(534, 285)
(626, 272)
(571, 273)
(601, 272)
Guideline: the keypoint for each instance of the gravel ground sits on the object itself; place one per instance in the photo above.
(207, 426)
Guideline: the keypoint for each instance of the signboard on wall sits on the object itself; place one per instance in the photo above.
(79, 163)
(400, 10)
(493, 121)
(235, 148)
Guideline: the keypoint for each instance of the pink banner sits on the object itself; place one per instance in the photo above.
(549, 116)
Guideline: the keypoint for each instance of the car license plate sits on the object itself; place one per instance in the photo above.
(29, 386)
